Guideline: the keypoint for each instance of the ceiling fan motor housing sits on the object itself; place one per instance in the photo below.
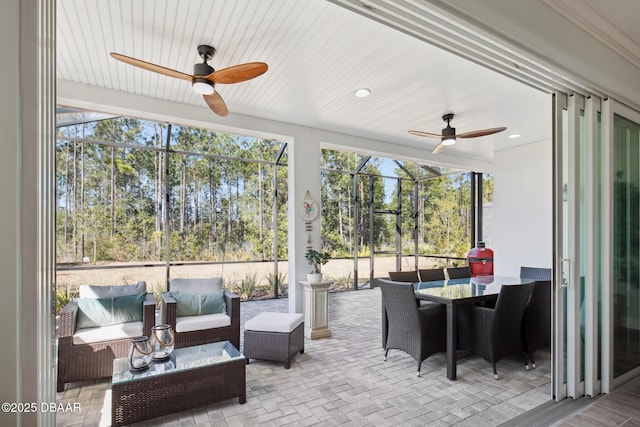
(448, 132)
(201, 84)
(202, 69)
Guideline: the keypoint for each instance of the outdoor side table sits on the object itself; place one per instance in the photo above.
(193, 376)
(316, 309)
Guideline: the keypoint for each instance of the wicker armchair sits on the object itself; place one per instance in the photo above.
(495, 332)
(203, 329)
(84, 354)
(536, 323)
(418, 331)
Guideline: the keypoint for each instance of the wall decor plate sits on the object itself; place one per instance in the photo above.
(308, 210)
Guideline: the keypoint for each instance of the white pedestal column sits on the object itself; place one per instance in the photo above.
(316, 309)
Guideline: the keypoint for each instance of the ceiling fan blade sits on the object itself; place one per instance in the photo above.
(427, 134)
(217, 105)
(483, 132)
(238, 73)
(438, 148)
(152, 67)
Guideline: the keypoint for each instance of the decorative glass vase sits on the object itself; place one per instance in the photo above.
(139, 354)
(162, 340)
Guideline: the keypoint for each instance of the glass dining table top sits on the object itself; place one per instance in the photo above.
(467, 287)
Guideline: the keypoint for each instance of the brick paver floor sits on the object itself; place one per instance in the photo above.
(343, 381)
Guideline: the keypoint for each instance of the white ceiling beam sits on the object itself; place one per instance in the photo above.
(108, 101)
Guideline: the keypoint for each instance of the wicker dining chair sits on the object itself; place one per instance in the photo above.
(399, 276)
(458, 272)
(496, 332)
(428, 275)
(404, 276)
(418, 331)
(536, 323)
(536, 273)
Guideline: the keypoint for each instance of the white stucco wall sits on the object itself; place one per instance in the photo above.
(523, 208)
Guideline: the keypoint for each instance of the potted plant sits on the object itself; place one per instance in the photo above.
(316, 259)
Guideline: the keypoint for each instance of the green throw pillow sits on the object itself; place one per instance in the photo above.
(195, 305)
(96, 312)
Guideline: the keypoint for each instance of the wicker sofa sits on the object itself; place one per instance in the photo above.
(88, 353)
(206, 328)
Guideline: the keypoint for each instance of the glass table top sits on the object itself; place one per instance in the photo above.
(181, 359)
(467, 287)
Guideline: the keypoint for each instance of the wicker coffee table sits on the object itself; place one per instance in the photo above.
(192, 377)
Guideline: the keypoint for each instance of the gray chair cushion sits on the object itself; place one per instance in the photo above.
(95, 291)
(196, 286)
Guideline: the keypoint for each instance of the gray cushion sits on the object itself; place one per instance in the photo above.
(196, 305)
(97, 312)
(94, 291)
(196, 286)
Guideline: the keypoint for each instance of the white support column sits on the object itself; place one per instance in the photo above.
(27, 117)
(303, 158)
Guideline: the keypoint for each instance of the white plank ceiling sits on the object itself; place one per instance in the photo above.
(318, 55)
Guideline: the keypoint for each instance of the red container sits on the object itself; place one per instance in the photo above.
(481, 260)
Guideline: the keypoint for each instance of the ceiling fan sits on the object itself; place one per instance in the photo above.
(448, 136)
(204, 77)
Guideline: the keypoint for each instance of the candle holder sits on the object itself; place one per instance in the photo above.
(162, 341)
(139, 354)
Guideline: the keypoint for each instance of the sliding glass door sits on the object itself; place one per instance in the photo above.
(577, 237)
(596, 343)
(621, 294)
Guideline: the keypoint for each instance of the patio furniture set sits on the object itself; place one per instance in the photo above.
(96, 331)
(491, 316)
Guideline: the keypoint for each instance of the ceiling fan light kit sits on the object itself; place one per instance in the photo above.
(203, 86)
(449, 136)
(448, 140)
(448, 133)
(204, 76)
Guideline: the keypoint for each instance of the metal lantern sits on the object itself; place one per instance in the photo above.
(162, 340)
(139, 354)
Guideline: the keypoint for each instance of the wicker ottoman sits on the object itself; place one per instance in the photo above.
(274, 336)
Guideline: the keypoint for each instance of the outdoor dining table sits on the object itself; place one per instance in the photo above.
(455, 292)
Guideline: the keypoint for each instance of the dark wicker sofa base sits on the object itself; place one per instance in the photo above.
(274, 346)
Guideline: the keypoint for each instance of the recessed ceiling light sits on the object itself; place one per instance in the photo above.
(514, 136)
(362, 92)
